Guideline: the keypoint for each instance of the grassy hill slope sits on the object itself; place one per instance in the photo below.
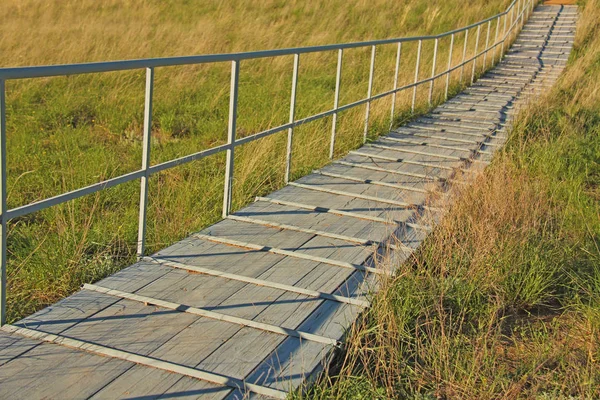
(68, 132)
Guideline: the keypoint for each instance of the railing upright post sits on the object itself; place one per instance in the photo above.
(369, 93)
(4, 223)
(475, 54)
(449, 65)
(432, 82)
(503, 36)
(521, 9)
(464, 56)
(487, 45)
(512, 23)
(231, 129)
(336, 102)
(517, 25)
(496, 41)
(147, 138)
(418, 64)
(288, 160)
(397, 70)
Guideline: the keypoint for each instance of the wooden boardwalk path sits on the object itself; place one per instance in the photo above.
(253, 305)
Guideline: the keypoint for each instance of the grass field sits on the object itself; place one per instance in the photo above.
(503, 299)
(68, 132)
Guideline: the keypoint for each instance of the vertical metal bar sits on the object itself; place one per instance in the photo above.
(503, 36)
(418, 64)
(487, 45)
(233, 96)
(464, 57)
(449, 64)
(432, 82)
(520, 10)
(369, 93)
(496, 41)
(336, 101)
(475, 54)
(288, 160)
(397, 70)
(141, 244)
(512, 22)
(3, 225)
(518, 28)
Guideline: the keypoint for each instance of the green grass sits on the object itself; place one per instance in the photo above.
(502, 301)
(68, 132)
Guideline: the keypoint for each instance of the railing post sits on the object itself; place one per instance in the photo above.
(432, 82)
(521, 8)
(475, 54)
(3, 225)
(369, 93)
(141, 244)
(418, 64)
(487, 45)
(496, 41)
(233, 96)
(336, 101)
(449, 65)
(288, 160)
(512, 22)
(397, 70)
(464, 57)
(504, 36)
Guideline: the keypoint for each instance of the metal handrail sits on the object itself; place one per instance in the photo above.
(519, 10)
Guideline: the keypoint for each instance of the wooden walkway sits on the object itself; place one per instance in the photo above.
(254, 305)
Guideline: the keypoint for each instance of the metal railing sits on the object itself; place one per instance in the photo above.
(517, 13)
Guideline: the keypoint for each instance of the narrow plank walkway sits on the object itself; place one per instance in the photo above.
(254, 305)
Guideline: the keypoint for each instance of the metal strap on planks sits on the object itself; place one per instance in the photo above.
(370, 181)
(402, 204)
(490, 133)
(455, 158)
(457, 130)
(390, 171)
(436, 137)
(258, 282)
(213, 315)
(145, 361)
(343, 213)
(441, 146)
(422, 153)
(364, 242)
(288, 253)
(401, 160)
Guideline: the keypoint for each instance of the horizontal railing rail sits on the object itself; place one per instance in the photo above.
(518, 12)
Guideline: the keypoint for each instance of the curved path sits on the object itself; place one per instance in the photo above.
(253, 305)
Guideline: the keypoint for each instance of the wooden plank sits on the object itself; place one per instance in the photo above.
(148, 383)
(136, 358)
(211, 314)
(274, 250)
(51, 371)
(261, 282)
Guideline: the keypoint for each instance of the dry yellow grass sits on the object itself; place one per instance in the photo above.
(503, 299)
(66, 31)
